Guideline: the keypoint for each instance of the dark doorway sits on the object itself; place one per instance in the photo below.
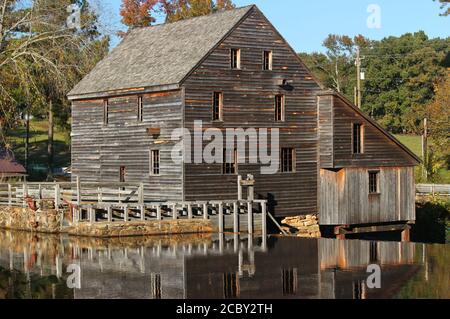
(123, 172)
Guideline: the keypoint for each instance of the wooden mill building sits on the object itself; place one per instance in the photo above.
(233, 69)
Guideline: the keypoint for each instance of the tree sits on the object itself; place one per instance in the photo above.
(438, 115)
(45, 58)
(138, 13)
(142, 13)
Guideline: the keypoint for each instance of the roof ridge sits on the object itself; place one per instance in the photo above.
(185, 20)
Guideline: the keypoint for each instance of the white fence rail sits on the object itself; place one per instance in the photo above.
(433, 189)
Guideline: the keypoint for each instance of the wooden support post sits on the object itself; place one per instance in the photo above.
(264, 219)
(406, 235)
(109, 210)
(221, 221)
(250, 217)
(57, 196)
(91, 213)
(205, 211)
(125, 213)
(158, 212)
(9, 195)
(174, 212)
(235, 217)
(119, 196)
(141, 194)
(142, 207)
(239, 182)
(190, 211)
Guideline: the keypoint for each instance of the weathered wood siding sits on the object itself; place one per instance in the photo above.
(325, 106)
(345, 198)
(98, 150)
(249, 96)
(379, 150)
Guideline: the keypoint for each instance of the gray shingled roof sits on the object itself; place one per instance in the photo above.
(159, 55)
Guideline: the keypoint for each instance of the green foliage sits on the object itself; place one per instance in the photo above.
(433, 217)
(400, 73)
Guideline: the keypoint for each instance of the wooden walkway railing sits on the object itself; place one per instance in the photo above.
(433, 190)
(125, 202)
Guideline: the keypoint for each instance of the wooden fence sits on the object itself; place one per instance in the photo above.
(433, 190)
(125, 202)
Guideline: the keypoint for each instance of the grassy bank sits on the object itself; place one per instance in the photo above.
(414, 143)
(38, 148)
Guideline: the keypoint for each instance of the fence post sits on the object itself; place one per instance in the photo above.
(190, 211)
(158, 212)
(235, 217)
(205, 211)
(239, 181)
(221, 228)
(109, 209)
(25, 193)
(142, 207)
(141, 194)
(174, 212)
(250, 217)
(9, 195)
(264, 222)
(125, 213)
(100, 195)
(57, 195)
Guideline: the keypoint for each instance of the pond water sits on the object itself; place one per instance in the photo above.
(219, 267)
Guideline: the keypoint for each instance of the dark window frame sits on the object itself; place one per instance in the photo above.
(280, 108)
(235, 58)
(105, 112)
(230, 168)
(217, 106)
(140, 108)
(267, 60)
(374, 182)
(155, 162)
(288, 160)
(358, 138)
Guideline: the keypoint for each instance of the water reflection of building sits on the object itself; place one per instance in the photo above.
(230, 267)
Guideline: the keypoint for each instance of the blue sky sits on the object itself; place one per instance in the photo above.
(306, 23)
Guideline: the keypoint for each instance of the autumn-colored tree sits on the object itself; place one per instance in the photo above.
(438, 114)
(138, 13)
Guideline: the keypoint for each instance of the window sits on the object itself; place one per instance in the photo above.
(230, 286)
(289, 282)
(155, 286)
(154, 162)
(105, 112)
(279, 108)
(358, 136)
(373, 252)
(267, 60)
(140, 111)
(235, 59)
(122, 174)
(374, 182)
(229, 162)
(287, 160)
(217, 106)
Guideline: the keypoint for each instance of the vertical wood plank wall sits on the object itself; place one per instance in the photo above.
(345, 198)
(249, 96)
(99, 150)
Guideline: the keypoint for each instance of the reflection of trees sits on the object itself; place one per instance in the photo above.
(432, 281)
(18, 285)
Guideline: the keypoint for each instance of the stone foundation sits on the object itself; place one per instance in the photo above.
(306, 226)
(26, 219)
(130, 229)
(51, 221)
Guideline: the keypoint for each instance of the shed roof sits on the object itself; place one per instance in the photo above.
(159, 55)
(8, 164)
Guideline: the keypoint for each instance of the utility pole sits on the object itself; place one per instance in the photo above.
(425, 148)
(358, 77)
